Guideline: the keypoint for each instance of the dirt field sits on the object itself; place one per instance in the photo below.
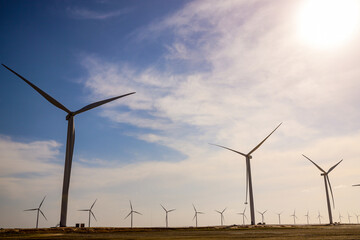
(311, 232)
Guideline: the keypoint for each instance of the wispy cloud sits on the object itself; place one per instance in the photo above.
(83, 13)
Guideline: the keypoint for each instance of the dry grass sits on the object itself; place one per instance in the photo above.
(273, 232)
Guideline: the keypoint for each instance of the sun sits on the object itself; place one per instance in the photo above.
(328, 23)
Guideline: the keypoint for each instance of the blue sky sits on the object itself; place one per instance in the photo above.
(223, 72)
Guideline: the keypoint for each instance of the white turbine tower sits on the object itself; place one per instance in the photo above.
(243, 216)
(196, 215)
(166, 212)
(91, 213)
(327, 182)
(294, 216)
(307, 217)
(279, 217)
(221, 215)
(131, 213)
(262, 216)
(38, 210)
(70, 139)
(249, 188)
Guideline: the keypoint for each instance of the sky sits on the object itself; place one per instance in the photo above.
(223, 72)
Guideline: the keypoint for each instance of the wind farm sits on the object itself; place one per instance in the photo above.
(239, 107)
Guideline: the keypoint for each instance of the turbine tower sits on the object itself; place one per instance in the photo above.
(340, 217)
(357, 218)
(196, 215)
(319, 217)
(279, 216)
(90, 211)
(262, 216)
(221, 215)
(249, 188)
(70, 139)
(131, 213)
(294, 216)
(307, 217)
(167, 211)
(38, 210)
(327, 182)
(349, 218)
(244, 216)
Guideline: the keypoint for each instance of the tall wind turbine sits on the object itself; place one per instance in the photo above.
(166, 211)
(90, 212)
(349, 218)
(294, 216)
(196, 215)
(221, 215)
(327, 182)
(244, 216)
(319, 217)
(131, 213)
(357, 218)
(248, 174)
(279, 217)
(340, 217)
(38, 210)
(262, 216)
(307, 217)
(70, 139)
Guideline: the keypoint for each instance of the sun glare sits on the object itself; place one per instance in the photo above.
(328, 23)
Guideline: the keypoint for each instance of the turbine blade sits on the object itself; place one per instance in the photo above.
(163, 208)
(229, 149)
(224, 210)
(93, 215)
(315, 164)
(200, 212)
(356, 185)
(194, 217)
(93, 205)
(42, 93)
(128, 215)
(137, 212)
(264, 211)
(332, 168)
(131, 206)
(332, 195)
(42, 202)
(217, 211)
(247, 186)
(194, 208)
(99, 103)
(33, 209)
(254, 149)
(172, 210)
(43, 214)
(84, 210)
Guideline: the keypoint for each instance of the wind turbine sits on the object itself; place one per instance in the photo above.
(90, 211)
(244, 216)
(349, 217)
(340, 217)
(70, 138)
(262, 216)
(196, 214)
(131, 213)
(357, 218)
(307, 217)
(221, 214)
(327, 182)
(38, 210)
(319, 217)
(167, 211)
(294, 216)
(248, 174)
(279, 214)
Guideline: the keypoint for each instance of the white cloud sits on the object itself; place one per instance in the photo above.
(82, 13)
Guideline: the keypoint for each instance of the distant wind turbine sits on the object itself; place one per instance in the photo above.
(327, 182)
(196, 215)
(319, 217)
(70, 139)
(340, 217)
(90, 212)
(349, 217)
(131, 213)
(307, 217)
(38, 210)
(244, 216)
(279, 217)
(357, 218)
(166, 211)
(262, 215)
(248, 174)
(294, 216)
(221, 215)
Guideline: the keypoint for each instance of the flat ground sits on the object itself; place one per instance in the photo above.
(273, 232)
